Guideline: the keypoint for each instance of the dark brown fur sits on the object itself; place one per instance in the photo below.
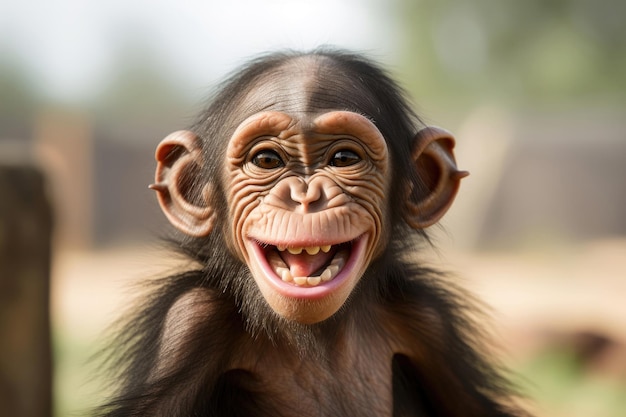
(206, 344)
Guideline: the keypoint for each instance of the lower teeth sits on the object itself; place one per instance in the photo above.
(313, 281)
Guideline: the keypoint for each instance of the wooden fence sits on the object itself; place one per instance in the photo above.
(25, 239)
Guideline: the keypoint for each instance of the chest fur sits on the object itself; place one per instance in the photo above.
(332, 381)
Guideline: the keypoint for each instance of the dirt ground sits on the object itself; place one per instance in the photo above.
(537, 298)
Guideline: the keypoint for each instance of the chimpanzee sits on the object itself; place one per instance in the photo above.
(302, 194)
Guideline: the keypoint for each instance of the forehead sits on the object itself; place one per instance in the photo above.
(305, 86)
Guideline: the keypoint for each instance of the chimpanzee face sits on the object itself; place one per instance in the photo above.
(307, 206)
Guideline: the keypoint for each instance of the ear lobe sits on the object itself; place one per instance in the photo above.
(182, 195)
(439, 178)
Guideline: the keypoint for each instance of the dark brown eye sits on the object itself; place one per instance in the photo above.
(267, 160)
(344, 158)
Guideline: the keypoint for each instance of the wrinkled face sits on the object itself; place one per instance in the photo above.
(307, 206)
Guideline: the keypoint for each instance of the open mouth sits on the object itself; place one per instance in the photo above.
(310, 266)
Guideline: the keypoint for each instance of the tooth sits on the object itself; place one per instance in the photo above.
(299, 280)
(325, 248)
(338, 261)
(326, 275)
(281, 248)
(340, 258)
(313, 281)
(295, 251)
(284, 274)
(333, 269)
(312, 250)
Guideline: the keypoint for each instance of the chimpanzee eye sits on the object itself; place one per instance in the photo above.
(267, 160)
(344, 158)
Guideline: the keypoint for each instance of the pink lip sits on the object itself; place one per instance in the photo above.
(319, 291)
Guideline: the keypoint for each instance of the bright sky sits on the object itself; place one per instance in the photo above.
(69, 45)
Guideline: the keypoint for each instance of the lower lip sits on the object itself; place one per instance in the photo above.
(312, 293)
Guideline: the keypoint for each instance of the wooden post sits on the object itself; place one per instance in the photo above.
(25, 239)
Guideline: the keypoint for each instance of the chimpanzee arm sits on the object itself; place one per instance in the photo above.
(439, 368)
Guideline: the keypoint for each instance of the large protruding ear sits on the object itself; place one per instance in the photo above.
(433, 157)
(184, 195)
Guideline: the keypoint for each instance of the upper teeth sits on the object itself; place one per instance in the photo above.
(311, 250)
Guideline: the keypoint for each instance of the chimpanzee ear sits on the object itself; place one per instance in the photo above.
(183, 196)
(439, 177)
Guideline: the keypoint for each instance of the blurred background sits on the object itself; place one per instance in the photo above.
(534, 91)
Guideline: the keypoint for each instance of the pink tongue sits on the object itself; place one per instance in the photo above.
(305, 265)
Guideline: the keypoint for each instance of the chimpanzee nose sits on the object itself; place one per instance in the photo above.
(308, 193)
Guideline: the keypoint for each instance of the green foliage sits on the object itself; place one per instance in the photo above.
(139, 88)
(77, 385)
(560, 386)
(17, 97)
(529, 51)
